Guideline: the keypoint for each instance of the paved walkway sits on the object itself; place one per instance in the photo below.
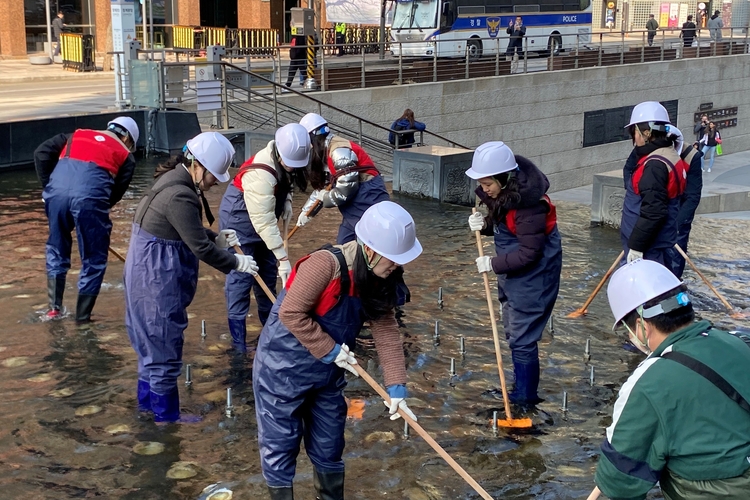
(731, 169)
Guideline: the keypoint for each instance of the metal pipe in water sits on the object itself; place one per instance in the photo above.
(462, 345)
(230, 408)
(188, 376)
(203, 328)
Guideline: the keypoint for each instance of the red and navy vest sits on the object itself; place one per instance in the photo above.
(97, 147)
(279, 192)
(510, 217)
(676, 166)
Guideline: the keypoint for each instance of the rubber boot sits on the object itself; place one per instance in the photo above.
(527, 384)
(238, 330)
(55, 291)
(283, 493)
(144, 395)
(166, 407)
(84, 306)
(329, 485)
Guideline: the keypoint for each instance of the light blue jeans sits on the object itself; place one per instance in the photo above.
(706, 150)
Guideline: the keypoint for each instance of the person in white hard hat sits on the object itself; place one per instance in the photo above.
(528, 263)
(655, 177)
(161, 269)
(260, 195)
(682, 419)
(299, 367)
(83, 175)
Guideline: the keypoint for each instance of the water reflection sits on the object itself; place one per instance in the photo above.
(52, 370)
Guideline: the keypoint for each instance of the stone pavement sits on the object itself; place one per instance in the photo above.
(729, 169)
(20, 70)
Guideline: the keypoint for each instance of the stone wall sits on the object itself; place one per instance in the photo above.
(540, 115)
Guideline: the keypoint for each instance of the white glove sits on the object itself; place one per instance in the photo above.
(396, 404)
(285, 269)
(302, 220)
(633, 255)
(675, 133)
(321, 194)
(476, 221)
(246, 264)
(345, 360)
(286, 214)
(227, 238)
(484, 264)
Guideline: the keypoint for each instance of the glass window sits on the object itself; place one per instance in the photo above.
(417, 14)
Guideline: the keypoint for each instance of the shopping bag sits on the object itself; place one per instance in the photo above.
(719, 152)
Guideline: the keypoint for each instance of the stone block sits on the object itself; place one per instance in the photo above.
(434, 172)
(606, 199)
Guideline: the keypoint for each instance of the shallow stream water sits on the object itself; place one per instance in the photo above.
(69, 428)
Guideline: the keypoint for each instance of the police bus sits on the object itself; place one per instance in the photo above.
(454, 27)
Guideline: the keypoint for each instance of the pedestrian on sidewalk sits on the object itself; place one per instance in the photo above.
(688, 32)
(83, 175)
(715, 24)
(700, 127)
(681, 419)
(651, 26)
(710, 140)
(57, 28)
(297, 60)
(517, 31)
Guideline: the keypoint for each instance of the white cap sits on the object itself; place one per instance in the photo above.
(312, 122)
(214, 152)
(130, 127)
(636, 283)
(648, 112)
(293, 145)
(491, 158)
(389, 230)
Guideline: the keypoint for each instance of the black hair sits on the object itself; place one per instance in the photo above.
(170, 164)
(317, 174)
(378, 295)
(653, 136)
(666, 322)
(509, 197)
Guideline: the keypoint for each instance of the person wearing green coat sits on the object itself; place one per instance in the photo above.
(682, 419)
(651, 27)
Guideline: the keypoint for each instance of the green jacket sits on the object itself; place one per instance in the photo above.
(672, 425)
(652, 25)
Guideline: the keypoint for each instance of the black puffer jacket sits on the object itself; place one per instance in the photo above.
(530, 218)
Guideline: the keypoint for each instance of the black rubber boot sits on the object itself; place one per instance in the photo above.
(329, 486)
(84, 306)
(55, 290)
(284, 493)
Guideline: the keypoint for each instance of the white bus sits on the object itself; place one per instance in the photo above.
(453, 27)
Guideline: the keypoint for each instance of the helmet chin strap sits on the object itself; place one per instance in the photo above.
(370, 265)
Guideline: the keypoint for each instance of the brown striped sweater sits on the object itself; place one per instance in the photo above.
(312, 278)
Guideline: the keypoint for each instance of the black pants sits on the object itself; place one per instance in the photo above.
(294, 65)
(651, 35)
(340, 38)
(687, 42)
(515, 46)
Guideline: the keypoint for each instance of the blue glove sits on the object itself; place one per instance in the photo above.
(397, 395)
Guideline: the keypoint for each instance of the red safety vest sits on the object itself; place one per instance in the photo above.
(510, 218)
(249, 165)
(330, 296)
(98, 147)
(676, 166)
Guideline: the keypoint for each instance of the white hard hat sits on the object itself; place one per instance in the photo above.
(293, 145)
(648, 112)
(389, 230)
(129, 125)
(491, 158)
(635, 284)
(312, 122)
(214, 152)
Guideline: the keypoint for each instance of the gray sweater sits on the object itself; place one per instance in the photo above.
(176, 214)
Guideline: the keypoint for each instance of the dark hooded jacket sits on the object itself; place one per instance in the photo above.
(530, 219)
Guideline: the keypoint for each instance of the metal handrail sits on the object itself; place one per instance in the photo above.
(330, 106)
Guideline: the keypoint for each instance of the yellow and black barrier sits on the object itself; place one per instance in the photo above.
(310, 57)
(77, 52)
(187, 37)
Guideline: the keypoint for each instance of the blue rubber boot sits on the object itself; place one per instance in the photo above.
(144, 395)
(238, 330)
(166, 407)
(527, 384)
